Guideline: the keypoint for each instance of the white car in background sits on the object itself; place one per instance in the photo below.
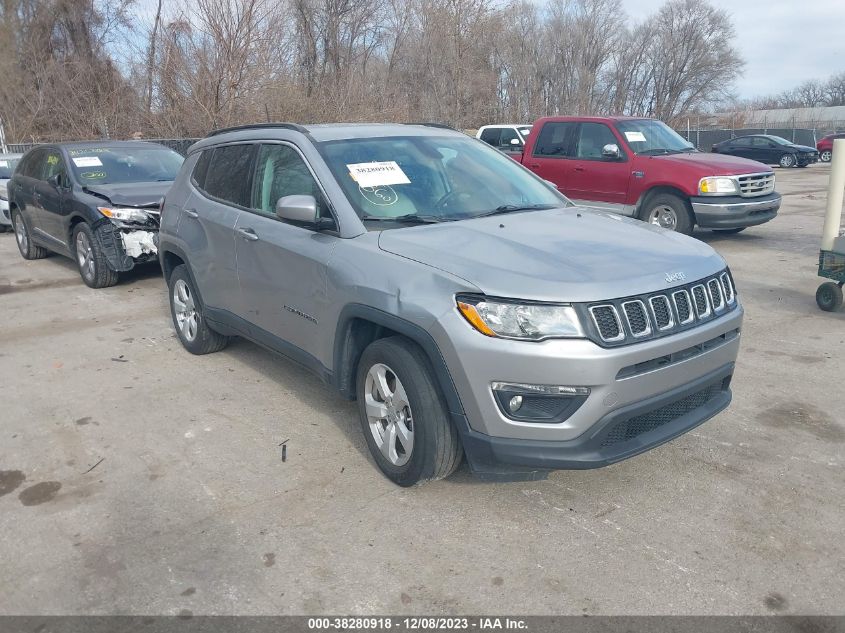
(8, 162)
(506, 138)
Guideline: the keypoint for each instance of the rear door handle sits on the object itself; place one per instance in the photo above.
(248, 234)
(191, 213)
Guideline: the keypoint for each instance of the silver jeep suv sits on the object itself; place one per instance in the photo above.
(468, 307)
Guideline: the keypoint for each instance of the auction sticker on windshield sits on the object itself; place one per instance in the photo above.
(635, 137)
(378, 174)
(87, 161)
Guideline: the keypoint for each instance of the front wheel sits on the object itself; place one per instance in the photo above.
(825, 156)
(787, 160)
(90, 259)
(829, 296)
(403, 415)
(669, 212)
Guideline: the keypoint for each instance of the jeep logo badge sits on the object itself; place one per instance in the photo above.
(672, 277)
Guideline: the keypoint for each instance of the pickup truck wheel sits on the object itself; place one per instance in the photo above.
(668, 211)
(188, 319)
(829, 296)
(90, 259)
(787, 160)
(403, 415)
(28, 249)
(825, 156)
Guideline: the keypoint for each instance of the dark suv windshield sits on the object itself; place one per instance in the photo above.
(647, 136)
(436, 178)
(111, 165)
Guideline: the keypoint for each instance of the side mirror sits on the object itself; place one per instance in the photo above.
(55, 180)
(611, 150)
(552, 185)
(516, 141)
(299, 209)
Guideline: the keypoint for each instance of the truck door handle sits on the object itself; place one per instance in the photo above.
(534, 165)
(191, 213)
(248, 234)
(579, 169)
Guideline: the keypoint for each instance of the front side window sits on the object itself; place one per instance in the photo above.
(508, 135)
(554, 139)
(52, 165)
(592, 139)
(279, 172)
(437, 178)
(228, 175)
(124, 164)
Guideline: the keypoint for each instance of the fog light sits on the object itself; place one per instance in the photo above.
(515, 403)
(538, 403)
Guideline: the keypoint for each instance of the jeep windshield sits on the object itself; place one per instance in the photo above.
(650, 137)
(421, 179)
(119, 165)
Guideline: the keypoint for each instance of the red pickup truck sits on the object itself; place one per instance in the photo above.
(642, 168)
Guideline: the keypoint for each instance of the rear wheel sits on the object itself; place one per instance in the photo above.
(829, 296)
(825, 156)
(787, 160)
(23, 237)
(403, 414)
(668, 211)
(188, 319)
(90, 259)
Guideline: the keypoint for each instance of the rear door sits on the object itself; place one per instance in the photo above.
(740, 147)
(552, 152)
(50, 196)
(282, 267)
(26, 179)
(222, 180)
(595, 178)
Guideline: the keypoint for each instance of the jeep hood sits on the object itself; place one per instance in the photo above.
(131, 194)
(714, 164)
(571, 254)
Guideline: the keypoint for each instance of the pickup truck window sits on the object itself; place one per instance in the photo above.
(647, 136)
(555, 139)
(592, 139)
(508, 134)
(439, 178)
(491, 136)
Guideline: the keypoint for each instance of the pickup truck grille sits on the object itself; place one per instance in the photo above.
(752, 185)
(634, 319)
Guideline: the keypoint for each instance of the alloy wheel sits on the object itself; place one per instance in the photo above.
(389, 414)
(85, 255)
(787, 160)
(825, 156)
(665, 216)
(20, 233)
(185, 310)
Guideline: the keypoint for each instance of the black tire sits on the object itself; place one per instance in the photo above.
(95, 271)
(204, 340)
(787, 160)
(23, 237)
(437, 450)
(733, 231)
(682, 213)
(829, 296)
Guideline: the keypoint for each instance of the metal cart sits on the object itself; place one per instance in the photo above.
(832, 266)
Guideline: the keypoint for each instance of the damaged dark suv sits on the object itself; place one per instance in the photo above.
(95, 202)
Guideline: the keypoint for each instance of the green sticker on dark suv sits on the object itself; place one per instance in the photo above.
(93, 175)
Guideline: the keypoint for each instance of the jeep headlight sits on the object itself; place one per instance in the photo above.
(717, 185)
(520, 320)
(123, 214)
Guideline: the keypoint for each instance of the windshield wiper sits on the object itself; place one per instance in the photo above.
(410, 218)
(508, 208)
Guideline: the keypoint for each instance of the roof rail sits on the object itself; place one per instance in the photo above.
(438, 125)
(259, 126)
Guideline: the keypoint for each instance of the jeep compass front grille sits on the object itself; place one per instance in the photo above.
(634, 319)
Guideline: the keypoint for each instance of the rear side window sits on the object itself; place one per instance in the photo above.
(228, 174)
(742, 141)
(31, 166)
(491, 136)
(554, 139)
(201, 168)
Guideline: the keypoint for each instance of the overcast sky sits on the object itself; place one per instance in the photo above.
(783, 42)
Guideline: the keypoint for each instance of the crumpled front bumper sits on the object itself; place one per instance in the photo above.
(124, 245)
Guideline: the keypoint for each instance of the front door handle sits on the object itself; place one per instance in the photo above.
(248, 234)
(534, 165)
(579, 169)
(191, 213)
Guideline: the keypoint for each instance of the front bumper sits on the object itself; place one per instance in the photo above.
(124, 245)
(807, 159)
(733, 212)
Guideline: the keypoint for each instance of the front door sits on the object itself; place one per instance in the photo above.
(595, 178)
(282, 267)
(551, 153)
